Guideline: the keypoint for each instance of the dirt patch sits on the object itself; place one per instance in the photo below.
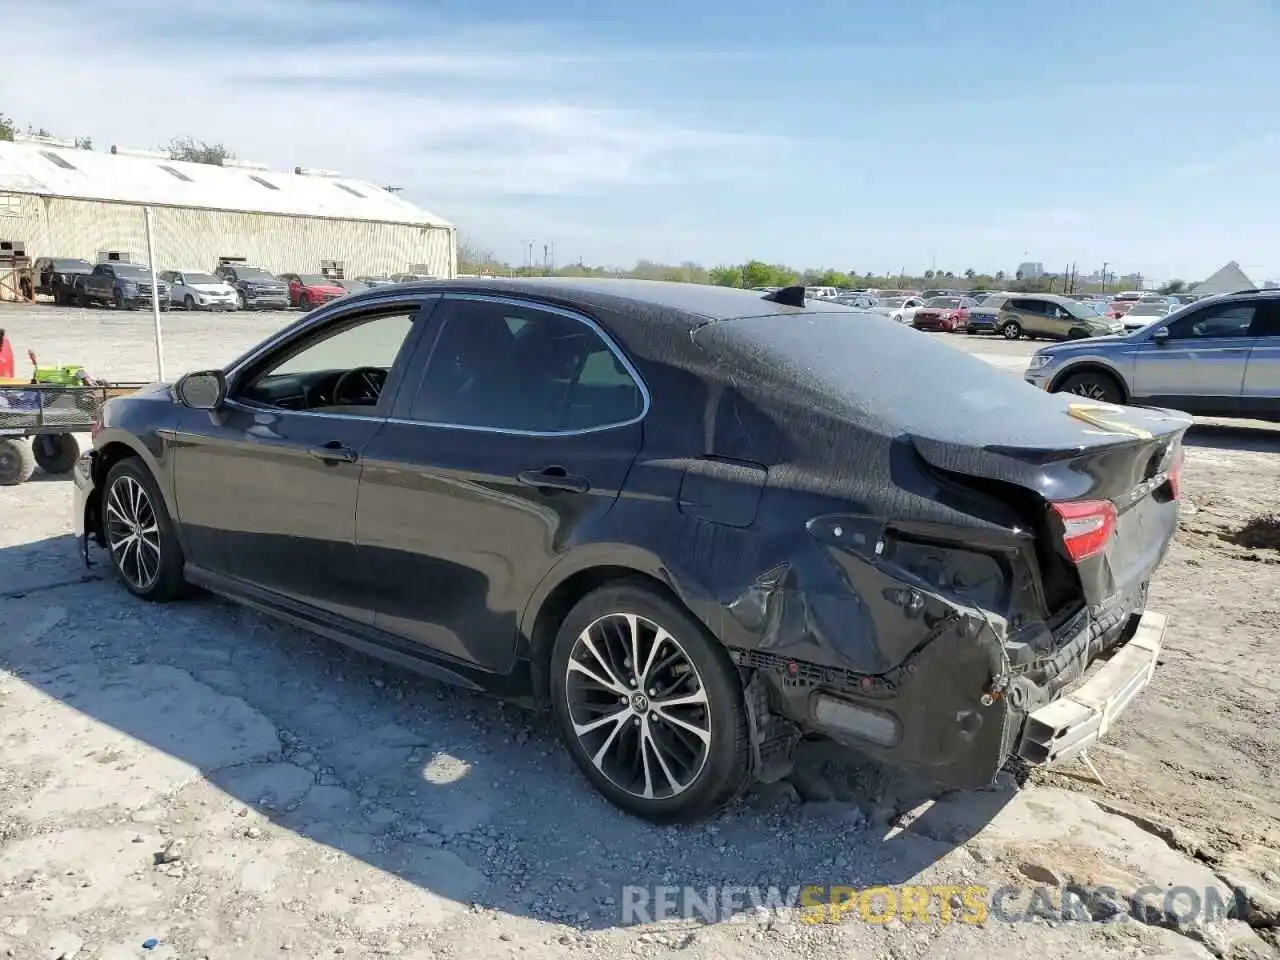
(1260, 533)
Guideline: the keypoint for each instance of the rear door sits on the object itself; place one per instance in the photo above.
(1200, 366)
(1027, 312)
(518, 437)
(1260, 396)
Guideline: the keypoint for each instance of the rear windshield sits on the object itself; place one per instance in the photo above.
(132, 271)
(315, 280)
(72, 265)
(943, 302)
(886, 377)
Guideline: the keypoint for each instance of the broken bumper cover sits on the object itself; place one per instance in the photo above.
(1083, 715)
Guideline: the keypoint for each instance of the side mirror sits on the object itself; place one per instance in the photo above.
(202, 390)
(1160, 334)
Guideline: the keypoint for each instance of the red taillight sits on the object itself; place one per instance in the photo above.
(1087, 526)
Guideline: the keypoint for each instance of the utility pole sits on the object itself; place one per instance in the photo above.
(1104, 275)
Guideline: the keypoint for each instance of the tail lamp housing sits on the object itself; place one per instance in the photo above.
(1087, 526)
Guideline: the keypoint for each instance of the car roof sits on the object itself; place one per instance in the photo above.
(687, 303)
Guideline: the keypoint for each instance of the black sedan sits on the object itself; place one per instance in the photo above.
(697, 523)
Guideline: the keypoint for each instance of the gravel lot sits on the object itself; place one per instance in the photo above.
(232, 787)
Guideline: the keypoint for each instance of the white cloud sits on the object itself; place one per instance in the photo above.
(447, 119)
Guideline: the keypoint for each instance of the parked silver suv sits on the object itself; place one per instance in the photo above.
(1216, 358)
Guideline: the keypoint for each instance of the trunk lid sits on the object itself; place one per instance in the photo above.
(977, 425)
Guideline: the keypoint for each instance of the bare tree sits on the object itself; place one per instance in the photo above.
(198, 151)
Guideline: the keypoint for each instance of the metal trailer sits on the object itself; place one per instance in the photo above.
(38, 423)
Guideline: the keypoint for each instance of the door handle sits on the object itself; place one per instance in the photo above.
(554, 478)
(335, 451)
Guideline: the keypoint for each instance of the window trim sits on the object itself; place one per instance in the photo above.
(612, 345)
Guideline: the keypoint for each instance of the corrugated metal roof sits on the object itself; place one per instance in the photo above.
(92, 175)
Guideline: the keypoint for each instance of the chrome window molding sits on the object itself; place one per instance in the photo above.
(248, 359)
(610, 344)
(324, 314)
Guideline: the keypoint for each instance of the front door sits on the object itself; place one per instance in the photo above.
(266, 485)
(519, 437)
(1200, 366)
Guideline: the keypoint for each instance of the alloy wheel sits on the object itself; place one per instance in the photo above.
(133, 533)
(1089, 389)
(638, 706)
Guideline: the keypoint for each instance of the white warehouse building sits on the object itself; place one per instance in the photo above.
(65, 202)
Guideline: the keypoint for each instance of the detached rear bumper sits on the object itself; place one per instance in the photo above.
(1084, 715)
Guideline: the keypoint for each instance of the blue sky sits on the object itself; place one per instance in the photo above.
(852, 135)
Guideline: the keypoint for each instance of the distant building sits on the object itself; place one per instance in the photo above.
(1227, 280)
(1030, 271)
(60, 202)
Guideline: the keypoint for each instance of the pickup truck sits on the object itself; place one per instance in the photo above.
(55, 276)
(126, 286)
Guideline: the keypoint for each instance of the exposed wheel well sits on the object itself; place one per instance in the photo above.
(563, 599)
(108, 457)
(1095, 368)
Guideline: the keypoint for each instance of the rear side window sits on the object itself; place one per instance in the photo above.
(498, 365)
(1228, 320)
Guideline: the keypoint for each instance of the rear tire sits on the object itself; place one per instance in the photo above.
(1012, 330)
(17, 462)
(55, 453)
(666, 764)
(1100, 387)
(139, 535)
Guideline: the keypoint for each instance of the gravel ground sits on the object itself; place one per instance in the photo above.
(228, 786)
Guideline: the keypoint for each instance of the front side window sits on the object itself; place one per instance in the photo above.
(341, 369)
(506, 366)
(1225, 321)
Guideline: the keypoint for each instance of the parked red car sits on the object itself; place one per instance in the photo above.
(307, 290)
(949, 314)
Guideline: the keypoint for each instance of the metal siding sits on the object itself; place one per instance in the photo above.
(185, 239)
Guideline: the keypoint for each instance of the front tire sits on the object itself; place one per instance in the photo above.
(1100, 387)
(55, 453)
(139, 535)
(189, 303)
(1011, 330)
(668, 742)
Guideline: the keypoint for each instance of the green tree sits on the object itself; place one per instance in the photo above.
(84, 143)
(6, 128)
(970, 273)
(198, 151)
(1000, 275)
(1173, 286)
(928, 274)
(724, 276)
